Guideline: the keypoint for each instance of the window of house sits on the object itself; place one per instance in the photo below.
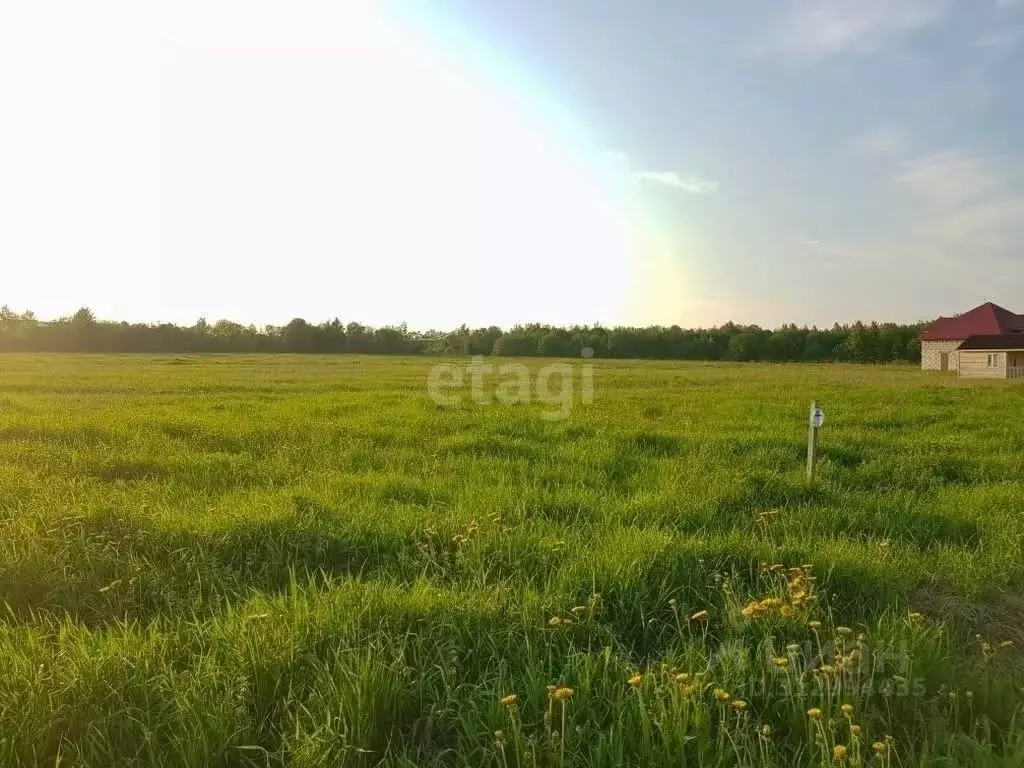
(993, 360)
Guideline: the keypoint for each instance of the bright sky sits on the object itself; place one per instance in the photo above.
(513, 160)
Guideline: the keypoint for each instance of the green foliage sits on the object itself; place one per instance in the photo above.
(279, 560)
(874, 343)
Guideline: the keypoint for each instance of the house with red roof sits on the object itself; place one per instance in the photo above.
(987, 342)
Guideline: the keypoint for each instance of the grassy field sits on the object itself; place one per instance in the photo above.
(267, 561)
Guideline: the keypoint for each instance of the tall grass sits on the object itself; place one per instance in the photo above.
(305, 561)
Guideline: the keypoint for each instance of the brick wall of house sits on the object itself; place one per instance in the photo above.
(931, 354)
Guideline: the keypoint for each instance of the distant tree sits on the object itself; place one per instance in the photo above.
(860, 342)
(519, 342)
(555, 343)
(299, 336)
(745, 346)
(83, 317)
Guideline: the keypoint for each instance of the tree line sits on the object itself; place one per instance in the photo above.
(83, 332)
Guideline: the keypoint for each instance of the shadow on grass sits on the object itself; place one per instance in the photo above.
(111, 567)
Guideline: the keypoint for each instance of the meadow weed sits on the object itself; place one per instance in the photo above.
(306, 561)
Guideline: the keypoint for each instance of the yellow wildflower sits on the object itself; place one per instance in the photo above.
(699, 615)
(855, 729)
(509, 700)
(636, 680)
(839, 753)
(722, 695)
(688, 690)
(739, 705)
(793, 648)
(781, 661)
(579, 610)
(814, 713)
(844, 631)
(555, 621)
(847, 709)
(1006, 644)
(814, 624)
(788, 611)
(563, 693)
(879, 747)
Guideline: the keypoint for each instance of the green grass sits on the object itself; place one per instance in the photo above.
(268, 561)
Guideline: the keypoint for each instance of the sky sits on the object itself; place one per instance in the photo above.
(439, 162)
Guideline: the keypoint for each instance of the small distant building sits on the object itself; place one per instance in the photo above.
(985, 343)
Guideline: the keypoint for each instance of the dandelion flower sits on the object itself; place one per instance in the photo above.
(1006, 644)
(788, 611)
(766, 731)
(771, 602)
(844, 631)
(636, 680)
(683, 677)
(793, 648)
(563, 693)
(499, 737)
(781, 661)
(855, 729)
(847, 709)
(839, 753)
(814, 624)
(814, 713)
(722, 695)
(699, 615)
(672, 602)
(688, 690)
(509, 700)
(826, 669)
(739, 705)
(879, 747)
(555, 621)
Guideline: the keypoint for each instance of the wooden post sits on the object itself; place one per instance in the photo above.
(812, 439)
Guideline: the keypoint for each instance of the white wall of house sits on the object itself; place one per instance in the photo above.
(932, 351)
(982, 364)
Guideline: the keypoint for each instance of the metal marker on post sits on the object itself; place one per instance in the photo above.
(817, 419)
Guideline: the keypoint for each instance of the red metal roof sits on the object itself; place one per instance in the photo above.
(987, 320)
